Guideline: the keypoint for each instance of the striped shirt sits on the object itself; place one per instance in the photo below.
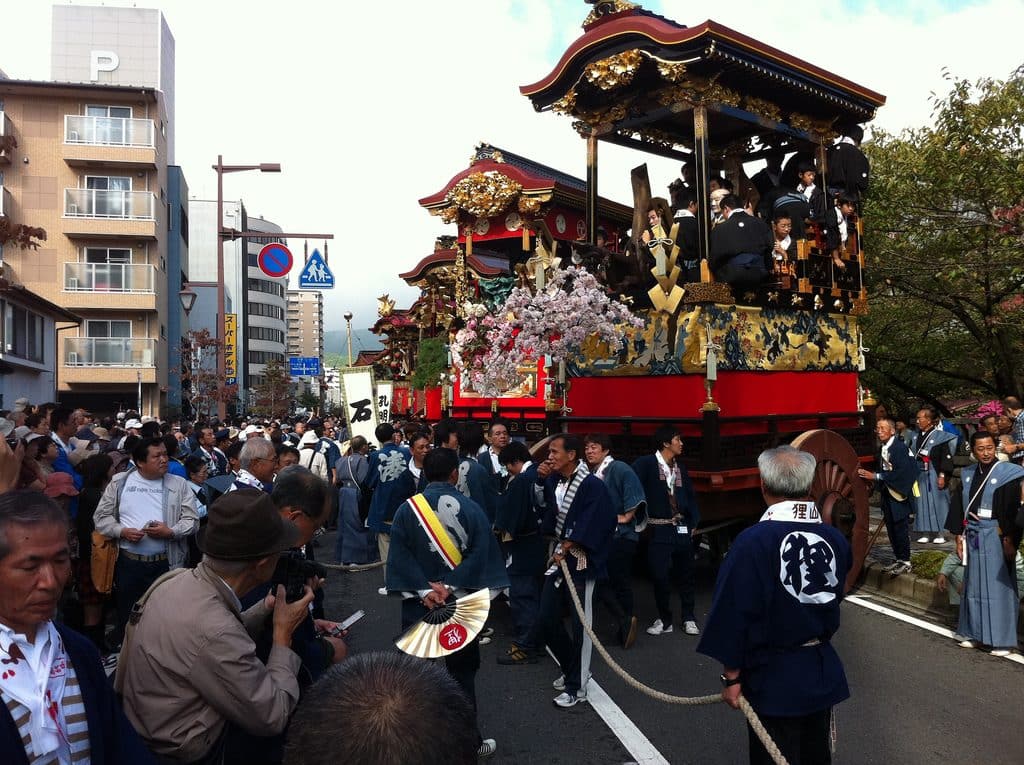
(74, 747)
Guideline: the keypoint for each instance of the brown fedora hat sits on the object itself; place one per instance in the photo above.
(246, 525)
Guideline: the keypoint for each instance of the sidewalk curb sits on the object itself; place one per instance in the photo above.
(913, 594)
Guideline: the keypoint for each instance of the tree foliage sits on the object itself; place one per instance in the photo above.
(201, 383)
(431, 361)
(945, 248)
(273, 394)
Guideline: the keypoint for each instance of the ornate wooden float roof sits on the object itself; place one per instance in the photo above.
(498, 181)
(633, 76)
(484, 265)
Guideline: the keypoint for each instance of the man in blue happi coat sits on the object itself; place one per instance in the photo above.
(672, 515)
(386, 466)
(517, 525)
(580, 517)
(631, 505)
(420, 572)
(983, 515)
(775, 610)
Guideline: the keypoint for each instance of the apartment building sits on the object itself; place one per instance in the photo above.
(91, 168)
(266, 323)
(306, 323)
(306, 333)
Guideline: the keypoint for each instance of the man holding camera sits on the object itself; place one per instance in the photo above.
(303, 499)
(188, 666)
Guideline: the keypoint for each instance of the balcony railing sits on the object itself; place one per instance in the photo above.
(109, 351)
(109, 277)
(108, 131)
(102, 203)
(5, 202)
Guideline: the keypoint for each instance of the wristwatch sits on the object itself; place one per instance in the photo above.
(726, 682)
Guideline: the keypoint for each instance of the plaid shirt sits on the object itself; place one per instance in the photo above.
(1018, 435)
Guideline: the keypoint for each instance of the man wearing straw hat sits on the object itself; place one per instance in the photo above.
(775, 610)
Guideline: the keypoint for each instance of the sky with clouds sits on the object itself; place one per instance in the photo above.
(370, 106)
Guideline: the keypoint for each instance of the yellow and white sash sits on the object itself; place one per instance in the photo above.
(435, 531)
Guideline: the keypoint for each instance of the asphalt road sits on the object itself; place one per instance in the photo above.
(916, 696)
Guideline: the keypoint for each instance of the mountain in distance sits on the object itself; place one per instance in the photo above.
(362, 340)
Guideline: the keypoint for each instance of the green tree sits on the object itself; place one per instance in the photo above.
(945, 248)
(431, 361)
(273, 394)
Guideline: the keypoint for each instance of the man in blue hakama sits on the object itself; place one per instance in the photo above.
(983, 515)
(775, 610)
(932, 448)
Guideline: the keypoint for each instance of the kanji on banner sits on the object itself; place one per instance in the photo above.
(360, 406)
(384, 396)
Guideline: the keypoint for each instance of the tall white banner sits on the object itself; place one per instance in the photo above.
(360, 406)
(385, 391)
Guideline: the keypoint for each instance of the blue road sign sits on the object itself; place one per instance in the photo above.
(315, 274)
(275, 260)
(304, 366)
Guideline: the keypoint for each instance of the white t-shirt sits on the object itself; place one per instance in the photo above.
(142, 501)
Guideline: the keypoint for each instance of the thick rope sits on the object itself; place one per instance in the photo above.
(752, 718)
(353, 568)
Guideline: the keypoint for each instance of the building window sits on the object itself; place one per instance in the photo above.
(263, 357)
(108, 328)
(262, 309)
(23, 333)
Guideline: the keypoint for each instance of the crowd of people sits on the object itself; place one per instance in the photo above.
(182, 558)
(981, 506)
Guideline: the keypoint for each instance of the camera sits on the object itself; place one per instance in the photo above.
(293, 571)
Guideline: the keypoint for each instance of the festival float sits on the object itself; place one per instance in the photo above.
(575, 327)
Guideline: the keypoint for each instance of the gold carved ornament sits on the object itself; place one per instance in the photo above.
(823, 128)
(762, 108)
(604, 8)
(614, 71)
(483, 195)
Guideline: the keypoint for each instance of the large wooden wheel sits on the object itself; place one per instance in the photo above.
(841, 496)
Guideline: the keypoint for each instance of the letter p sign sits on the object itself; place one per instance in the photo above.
(102, 61)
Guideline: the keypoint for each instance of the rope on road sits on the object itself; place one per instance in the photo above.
(752, 718)
(353, 568)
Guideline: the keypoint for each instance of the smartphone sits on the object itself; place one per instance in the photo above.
(339, 631)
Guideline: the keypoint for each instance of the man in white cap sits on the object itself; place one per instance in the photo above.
(21, 404)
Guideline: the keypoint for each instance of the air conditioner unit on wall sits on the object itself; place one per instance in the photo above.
(72, 359)
(72, 283)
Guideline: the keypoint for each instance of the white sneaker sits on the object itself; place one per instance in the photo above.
(566, 700)
(922, 540)
(939, 540)
(487, 747)
(658, 628)
(999, 652)
(968, 643)
(382, 590)
(690, 628)
(901, 567)
(559, 685)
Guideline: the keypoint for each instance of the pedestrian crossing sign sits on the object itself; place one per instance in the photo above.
(315, 275)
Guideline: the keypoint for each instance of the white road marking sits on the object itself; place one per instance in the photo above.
(636, 743)
(863, 602)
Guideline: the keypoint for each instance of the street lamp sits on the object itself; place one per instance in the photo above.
(348, 323)
(187, 296)
(221, 169)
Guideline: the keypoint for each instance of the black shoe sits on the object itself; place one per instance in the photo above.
(516, 655)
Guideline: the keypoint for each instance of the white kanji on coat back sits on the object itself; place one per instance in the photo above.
(392, 464)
